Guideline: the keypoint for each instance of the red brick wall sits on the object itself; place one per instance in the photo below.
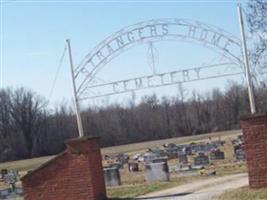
(255, 134)
(76, 174)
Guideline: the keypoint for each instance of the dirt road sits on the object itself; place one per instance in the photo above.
(201, 190)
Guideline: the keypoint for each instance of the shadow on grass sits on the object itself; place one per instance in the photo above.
(165, 196)
(154, 197)
(121, 199)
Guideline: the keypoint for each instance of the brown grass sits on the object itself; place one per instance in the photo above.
(29, 164)
(245, 194)
(134, 147)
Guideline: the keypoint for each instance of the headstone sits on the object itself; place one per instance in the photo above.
(133, 167)
(106, 157)
(193, 148)
(157, 172)
(240, 155)
(170, 146)
(112, 176)
(210, 147)
(199, 148)
(171, 150)
(182, 157)
(149, 156)
(218, 143)
(118, 165)
(201, 160)
(159, 160)
(171, 153)
(122, 158)
(4, 192)
(238, 142)
(11, 179)
(159, 152)
(19, 191)
(188, 150)
(241, 138)
(3, 172)
(217, 155)
(126, 158)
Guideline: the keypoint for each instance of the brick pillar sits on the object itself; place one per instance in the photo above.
(74, 174)
(254, 129)
(91, 148)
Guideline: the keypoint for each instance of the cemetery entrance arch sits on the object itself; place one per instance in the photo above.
(148, 32)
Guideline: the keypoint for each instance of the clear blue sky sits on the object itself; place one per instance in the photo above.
(34, 32)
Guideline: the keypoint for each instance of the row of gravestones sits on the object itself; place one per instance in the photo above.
(182, 157)
(9, 194)
(202, 159)
(172, 150)
(156, 170)
(215, 153)
(117, 160)
(10, 178)
(156, 167)
(152, 162)
(193, 148)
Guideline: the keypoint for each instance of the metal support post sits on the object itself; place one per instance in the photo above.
(76, 102)
(246, 62)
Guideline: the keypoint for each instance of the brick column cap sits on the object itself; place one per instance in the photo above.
(253, 117)
(83, 144)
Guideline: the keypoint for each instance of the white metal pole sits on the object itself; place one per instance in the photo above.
(246, 63)
(76, 102)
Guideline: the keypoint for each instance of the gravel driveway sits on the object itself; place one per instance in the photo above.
(200, 190)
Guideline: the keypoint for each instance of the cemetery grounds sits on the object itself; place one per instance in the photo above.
(134, 184)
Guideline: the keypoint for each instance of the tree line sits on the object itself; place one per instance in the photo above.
(28, 128)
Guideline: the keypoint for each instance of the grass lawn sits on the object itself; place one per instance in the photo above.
(245, 194)
(130, 191)
(133, 184)
(134, 190)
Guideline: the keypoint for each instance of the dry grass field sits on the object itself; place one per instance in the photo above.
(134, 184)
(29, 164)
(179, 140)
(245, 194)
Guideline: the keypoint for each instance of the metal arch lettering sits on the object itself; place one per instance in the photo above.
(155, 80)
(161, 29)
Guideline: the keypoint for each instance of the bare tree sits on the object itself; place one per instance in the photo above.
(257, 22)
(27, 114)
(28, 128)
(7, 147)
